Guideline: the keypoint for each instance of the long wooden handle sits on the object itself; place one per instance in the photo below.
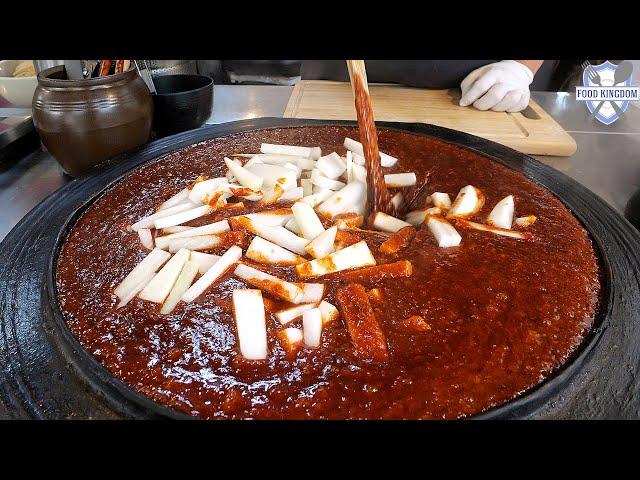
(379, 196)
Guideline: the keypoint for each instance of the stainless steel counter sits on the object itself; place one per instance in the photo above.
(607, 160)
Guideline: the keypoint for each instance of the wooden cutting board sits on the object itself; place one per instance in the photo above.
(532, 131)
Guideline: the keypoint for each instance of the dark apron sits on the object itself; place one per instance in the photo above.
(414, 73)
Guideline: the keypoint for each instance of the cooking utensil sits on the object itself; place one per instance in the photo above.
(75, 69)
(146, 75)
(380, 196)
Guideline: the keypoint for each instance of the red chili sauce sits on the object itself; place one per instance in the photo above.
(473, 326)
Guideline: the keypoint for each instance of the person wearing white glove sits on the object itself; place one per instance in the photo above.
(501, 86)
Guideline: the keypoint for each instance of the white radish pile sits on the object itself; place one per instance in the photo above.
(293, 201)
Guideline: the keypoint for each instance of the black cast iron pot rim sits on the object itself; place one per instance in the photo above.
(106, 385)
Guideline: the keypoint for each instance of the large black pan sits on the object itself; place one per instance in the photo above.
(47, 374)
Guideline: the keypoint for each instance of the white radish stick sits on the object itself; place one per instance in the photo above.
(311, 292)
(317, 198)
(147, 222)
(359, 173)
(176, 229)
(274, 174)
(349, 221)
(251, 161)
(290, 339)
(443, 231)
(263, 251)
(469, 201)
(269, 283)
(182, 217)
(331, 166)
(440, 200)
(398, 180)
(496, 230)
(248, 310)
(275, 159)
(180, 197)
(146, 239)
(416, 217)
(316, 153)
(278, 235)
(206, 187)
(502, 214)
(274, 149)
(359, 160)
(293, 168)
(312, 327)
(204, 260)
(183, 282)
(159, 287)
(397, 201)
(244, 176)
(149, 264)
(218, 269)
(306, 218)
(273, 218)
(201, 242)
(323, 182)
(292, 226)
(346, 200)
(288, 315)
(305, 164)
(135, 290)
(245, 193)
(348, 162)
(293, 194)
(387, 223)
(212, 228)
(328, 311)
(307, 187)
(356, 147)
(272, 195)
(525, 221)
(354, 256)
(322, 245)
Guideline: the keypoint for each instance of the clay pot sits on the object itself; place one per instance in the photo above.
(82, 123)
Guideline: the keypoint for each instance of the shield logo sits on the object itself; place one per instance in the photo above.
(604, 76)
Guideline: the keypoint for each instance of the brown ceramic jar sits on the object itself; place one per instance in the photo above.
(84, 122)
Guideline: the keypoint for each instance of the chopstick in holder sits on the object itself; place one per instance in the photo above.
(369, 139)
(105, 66)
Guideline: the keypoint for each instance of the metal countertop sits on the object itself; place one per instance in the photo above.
(607, 160)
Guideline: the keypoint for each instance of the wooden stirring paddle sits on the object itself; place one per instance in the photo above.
(378, 198)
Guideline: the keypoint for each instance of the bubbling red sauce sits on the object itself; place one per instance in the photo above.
(473, 326)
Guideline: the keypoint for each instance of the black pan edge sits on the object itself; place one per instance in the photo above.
(139, 406)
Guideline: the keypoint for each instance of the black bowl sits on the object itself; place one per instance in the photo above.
(182, 102)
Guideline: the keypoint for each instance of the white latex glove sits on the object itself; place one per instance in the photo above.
(502, 86)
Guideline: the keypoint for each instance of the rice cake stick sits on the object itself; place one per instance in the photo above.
(149, 264)
(183, 282)
(225, 262)
(248, 310)
(269, 283)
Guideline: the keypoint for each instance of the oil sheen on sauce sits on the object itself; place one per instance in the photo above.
(501, 314)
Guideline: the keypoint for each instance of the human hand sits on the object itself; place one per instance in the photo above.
(502, 86)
